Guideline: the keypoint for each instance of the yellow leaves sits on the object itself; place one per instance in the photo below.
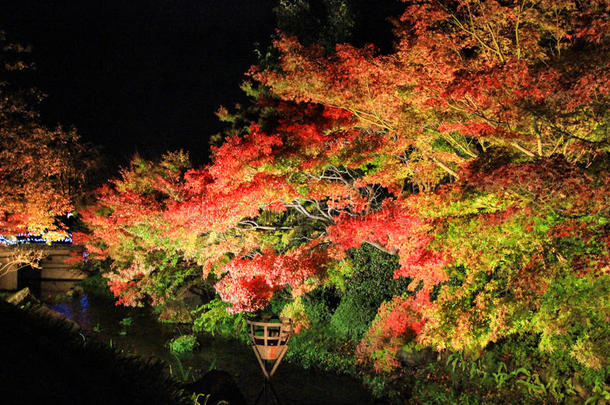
(40, 173)
(295, 310)
(587, 352)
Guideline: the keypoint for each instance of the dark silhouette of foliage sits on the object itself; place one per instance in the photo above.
(45, 361)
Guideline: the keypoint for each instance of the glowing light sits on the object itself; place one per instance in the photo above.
(29, 238)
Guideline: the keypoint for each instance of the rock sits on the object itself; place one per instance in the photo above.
(21, 297)
(56, 316)
(24, 296)
(75, 291)
(220, 385)
(179, 309)
(175, 312)
(416, 358)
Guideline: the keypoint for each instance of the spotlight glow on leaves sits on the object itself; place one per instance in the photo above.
(477, 152)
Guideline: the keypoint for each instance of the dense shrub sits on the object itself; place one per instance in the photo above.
(183, 344)
(317, 345)
(370, 283)
(97, 286)
(213, 318)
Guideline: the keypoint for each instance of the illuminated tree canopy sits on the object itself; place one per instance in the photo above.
(42, 169)
(476, 152)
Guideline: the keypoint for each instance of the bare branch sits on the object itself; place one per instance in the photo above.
(252, 225)
(378, 246)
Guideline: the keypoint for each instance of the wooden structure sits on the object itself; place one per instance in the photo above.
(270, 343)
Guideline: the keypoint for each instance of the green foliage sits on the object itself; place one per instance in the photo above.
(316, 345)
(319, 350)
(214, 318)
(353, 318)
(573, 321)
(369, 284)
(280, 301)
(339, 272)
(170, 277)
(205, 397)
(197, 397)
(337, 314)
(126, 322)
(181, 374)
(325, 22)
(239, 119)
(511, 371)
(320, 305)
(295, 310)
(183, 344)
(96, 286)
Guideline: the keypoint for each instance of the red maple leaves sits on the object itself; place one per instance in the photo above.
(250, 283)
(396, 231)
(472, 152)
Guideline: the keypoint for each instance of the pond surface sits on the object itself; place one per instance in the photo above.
(136, 331)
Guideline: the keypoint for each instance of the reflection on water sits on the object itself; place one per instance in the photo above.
(76, 309)
(144, 336)
(44, 289)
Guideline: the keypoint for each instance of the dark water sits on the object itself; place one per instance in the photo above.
(103, 321)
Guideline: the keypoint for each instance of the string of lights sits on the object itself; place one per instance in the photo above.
(28, 238)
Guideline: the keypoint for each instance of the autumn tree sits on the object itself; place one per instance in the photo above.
(42, 169)
(127, 224)
(477, 153)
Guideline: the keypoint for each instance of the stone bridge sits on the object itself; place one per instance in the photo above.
(52, 267)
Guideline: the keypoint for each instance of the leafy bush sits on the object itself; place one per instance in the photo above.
(313, 349)
(573, 321)
(126, 322)
(370, 284)
(337, 318)
(183, 344)
(320, 305)
(510, 371)
(214, 318)
(97, 286)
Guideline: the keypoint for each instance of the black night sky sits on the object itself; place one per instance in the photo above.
(146, 76)
(140, 75)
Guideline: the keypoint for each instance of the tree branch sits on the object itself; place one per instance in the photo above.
(378, 246)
